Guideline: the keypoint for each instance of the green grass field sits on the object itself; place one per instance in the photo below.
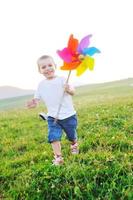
(102, 170)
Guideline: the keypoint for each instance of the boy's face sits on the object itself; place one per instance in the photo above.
(47, 68)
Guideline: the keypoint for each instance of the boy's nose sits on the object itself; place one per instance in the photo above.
(47, 67)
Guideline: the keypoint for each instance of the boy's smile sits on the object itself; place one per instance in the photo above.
(47, 68)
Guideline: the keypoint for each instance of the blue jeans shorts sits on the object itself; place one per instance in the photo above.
(55, 129)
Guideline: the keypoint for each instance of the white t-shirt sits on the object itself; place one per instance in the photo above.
(51, 92)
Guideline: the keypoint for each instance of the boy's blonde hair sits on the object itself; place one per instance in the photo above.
(42, 58)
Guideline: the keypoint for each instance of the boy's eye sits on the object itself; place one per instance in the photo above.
(50, 65)
(43, 67)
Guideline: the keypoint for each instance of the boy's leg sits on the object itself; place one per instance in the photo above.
(74, 147)
(56, 146)
(70, 125)
(58, 160)
(54, 137)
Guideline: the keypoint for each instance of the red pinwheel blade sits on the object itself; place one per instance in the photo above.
(72, 43)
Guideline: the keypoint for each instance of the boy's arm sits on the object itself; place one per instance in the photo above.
(69, 89)
(32, 103)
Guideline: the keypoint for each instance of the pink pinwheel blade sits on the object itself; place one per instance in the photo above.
(65, 55)
(84, 43)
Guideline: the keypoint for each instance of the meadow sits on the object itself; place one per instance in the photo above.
(103, 170)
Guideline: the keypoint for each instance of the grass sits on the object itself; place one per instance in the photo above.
(102, 170)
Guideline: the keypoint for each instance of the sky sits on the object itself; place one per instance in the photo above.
(32, 28)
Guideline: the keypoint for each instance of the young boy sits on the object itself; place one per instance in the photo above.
(51, 90)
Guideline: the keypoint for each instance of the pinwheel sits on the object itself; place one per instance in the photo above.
(77, 55)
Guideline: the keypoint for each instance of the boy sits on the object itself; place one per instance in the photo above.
(51, 91)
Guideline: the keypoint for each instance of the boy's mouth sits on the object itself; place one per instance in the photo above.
(49, 72)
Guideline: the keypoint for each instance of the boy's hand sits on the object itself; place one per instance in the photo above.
(32, 103)
(70, 90)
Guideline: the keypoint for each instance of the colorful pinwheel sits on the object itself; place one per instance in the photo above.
(77, 55)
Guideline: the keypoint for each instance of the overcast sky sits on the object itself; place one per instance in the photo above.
(31, 28)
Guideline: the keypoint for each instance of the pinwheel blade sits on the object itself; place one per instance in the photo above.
(90, 51)
(72, 44)
(88, 62)
(84, 43)
(65, 54)
(70, 66)
(81, 69)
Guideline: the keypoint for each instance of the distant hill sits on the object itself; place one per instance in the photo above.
(10, 92)
(101, 91)
(128, 81)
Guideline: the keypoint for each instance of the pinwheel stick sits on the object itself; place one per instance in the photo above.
(68, 76)
(59, 108)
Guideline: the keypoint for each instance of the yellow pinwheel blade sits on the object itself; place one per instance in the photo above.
(81, 69)
(88, 62)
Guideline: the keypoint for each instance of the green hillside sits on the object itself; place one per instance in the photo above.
(101, 171)
(104, 91)
(14, 103)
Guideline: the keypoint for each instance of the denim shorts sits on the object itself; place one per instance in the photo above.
(55, 129)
